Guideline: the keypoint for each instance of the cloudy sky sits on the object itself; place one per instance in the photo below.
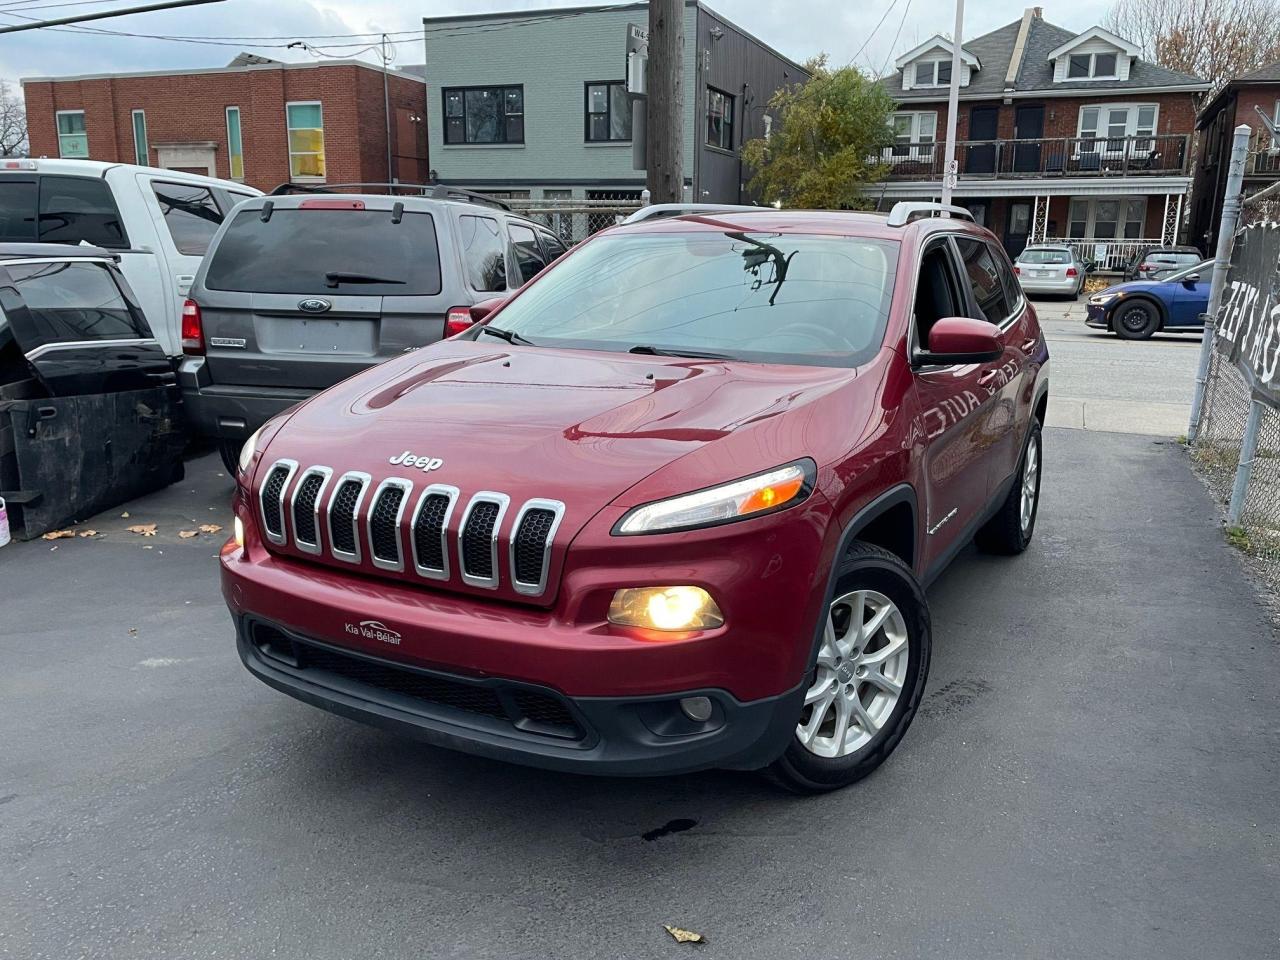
(799, 28)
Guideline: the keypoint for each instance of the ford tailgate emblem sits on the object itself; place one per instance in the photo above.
(314, 305)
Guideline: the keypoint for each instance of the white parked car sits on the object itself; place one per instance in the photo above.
(1050, 269)
(159, 222)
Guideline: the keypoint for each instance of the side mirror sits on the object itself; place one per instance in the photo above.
(464, 318)
(482, 309)
(954, 340)
(1191, 278)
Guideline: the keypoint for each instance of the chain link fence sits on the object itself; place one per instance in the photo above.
(573, 219)
(1216, 454)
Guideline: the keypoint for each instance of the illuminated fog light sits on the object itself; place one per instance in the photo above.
(238, 526)
(697, 709)
(665, 608)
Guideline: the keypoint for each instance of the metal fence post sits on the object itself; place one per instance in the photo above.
(1231, 203)
(1248, 448)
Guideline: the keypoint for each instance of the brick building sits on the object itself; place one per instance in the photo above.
(1061, 136)
(1238, 102)
(259, 121)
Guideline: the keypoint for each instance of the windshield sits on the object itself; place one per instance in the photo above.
(765, 297)
(1044, 256)
(1201, 268)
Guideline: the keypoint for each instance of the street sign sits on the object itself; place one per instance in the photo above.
(637, 57)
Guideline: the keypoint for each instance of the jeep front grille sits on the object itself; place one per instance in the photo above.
(426, 522)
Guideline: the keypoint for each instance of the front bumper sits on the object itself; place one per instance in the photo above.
(520, 722)
(1098, 316)
(226, 411)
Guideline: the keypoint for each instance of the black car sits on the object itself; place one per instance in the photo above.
(90, 412)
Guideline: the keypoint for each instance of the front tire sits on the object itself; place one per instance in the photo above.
(1136, 320)
(867, 678)
(1009, 531)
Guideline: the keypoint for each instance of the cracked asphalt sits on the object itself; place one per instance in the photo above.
(1094, 772)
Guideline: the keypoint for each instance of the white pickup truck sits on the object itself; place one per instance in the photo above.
(160, 223)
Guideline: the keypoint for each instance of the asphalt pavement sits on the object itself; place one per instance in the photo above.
(1094, 772)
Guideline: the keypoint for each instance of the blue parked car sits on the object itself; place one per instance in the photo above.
(1137, 309)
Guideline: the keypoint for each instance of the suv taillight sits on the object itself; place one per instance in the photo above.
(1147, 267)
(1017, 269)
(1071, 272)
(192, 329)
(457, 319)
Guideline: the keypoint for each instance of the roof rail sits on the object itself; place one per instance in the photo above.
(436, 191)
(660, 211)
(905, 211)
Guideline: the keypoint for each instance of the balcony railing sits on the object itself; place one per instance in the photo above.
(1264, 158)
(1156, 155)
(1108, 256)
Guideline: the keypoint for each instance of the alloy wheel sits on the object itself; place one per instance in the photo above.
(859, 676)
(1030, 484)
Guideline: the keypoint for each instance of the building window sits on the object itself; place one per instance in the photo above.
(140, 152)
(72, 139)
(1091, 66)
(1107, 218)
(933, 73)
(719, 119)
(608, 112)
(484, 115)
(1107, 127)
(235, 147)
(913, 135)
(306, 140)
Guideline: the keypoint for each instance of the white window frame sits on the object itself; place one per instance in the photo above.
(1100, 134)
(240, 130)
(289, 142)
(58, 129)
(1091, 217)
(141, 151)
(937, 66)
(1093, 66)
(917, 148)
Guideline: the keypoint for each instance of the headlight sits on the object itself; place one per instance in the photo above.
(248, 450)
(665, 608)
(238, 527)
(1101, 298)
(751, 496)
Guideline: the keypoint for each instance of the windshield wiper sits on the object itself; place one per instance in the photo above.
(334, 278)
(653, 351)
(508, 335)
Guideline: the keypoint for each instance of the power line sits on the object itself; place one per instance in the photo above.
(888, 10)
(34, 24)
(897, 33)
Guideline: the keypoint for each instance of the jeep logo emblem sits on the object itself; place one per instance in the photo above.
(425, 464)
(314, 305)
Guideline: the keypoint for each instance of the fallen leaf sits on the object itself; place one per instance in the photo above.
(125, 515)
(59, 534)
(143, 529)
(88, 533)
(210, 527)
(684, 936)
(133, 631)
(188, 534)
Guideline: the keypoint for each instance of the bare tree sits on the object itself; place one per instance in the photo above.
(13, 122)
(1216, 40)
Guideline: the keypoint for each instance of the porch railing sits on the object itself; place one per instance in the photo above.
(1156, 155)
(1108, 256)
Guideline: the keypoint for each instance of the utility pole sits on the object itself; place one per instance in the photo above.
(664, 80)
(386, 109)
(949, 170)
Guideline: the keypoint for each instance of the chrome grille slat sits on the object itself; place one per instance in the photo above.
(307, 497)
(478, 535)
(429, 531)
(529, 548)
(385, 512)
(343, 511)
(271, 499)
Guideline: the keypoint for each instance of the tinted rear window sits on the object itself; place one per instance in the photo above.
(294, 250)
(69, 302)
(17, 209)
(1044, 256)
(76, 209)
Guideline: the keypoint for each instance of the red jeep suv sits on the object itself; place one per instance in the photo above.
(670, 506)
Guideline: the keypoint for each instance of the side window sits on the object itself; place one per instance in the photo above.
(980, 266)
(69, 302)
(553, 245)
(190, 213)
(17, 210)
(75, 209)
(528, 254)
(937, 292)
(483, 254)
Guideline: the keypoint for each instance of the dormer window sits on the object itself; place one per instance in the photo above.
(1092, 66)
(933, 73)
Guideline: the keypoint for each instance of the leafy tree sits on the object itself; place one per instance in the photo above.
(826, 143)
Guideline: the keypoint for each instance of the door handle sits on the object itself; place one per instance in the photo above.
(988, 378)
(1029, 345)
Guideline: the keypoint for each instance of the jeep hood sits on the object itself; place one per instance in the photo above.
(577, 426)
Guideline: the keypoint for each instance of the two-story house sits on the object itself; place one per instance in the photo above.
(1060, 136)
(533, 104)
(1237, 103)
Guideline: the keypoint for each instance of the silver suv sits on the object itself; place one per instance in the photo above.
(299, 292)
